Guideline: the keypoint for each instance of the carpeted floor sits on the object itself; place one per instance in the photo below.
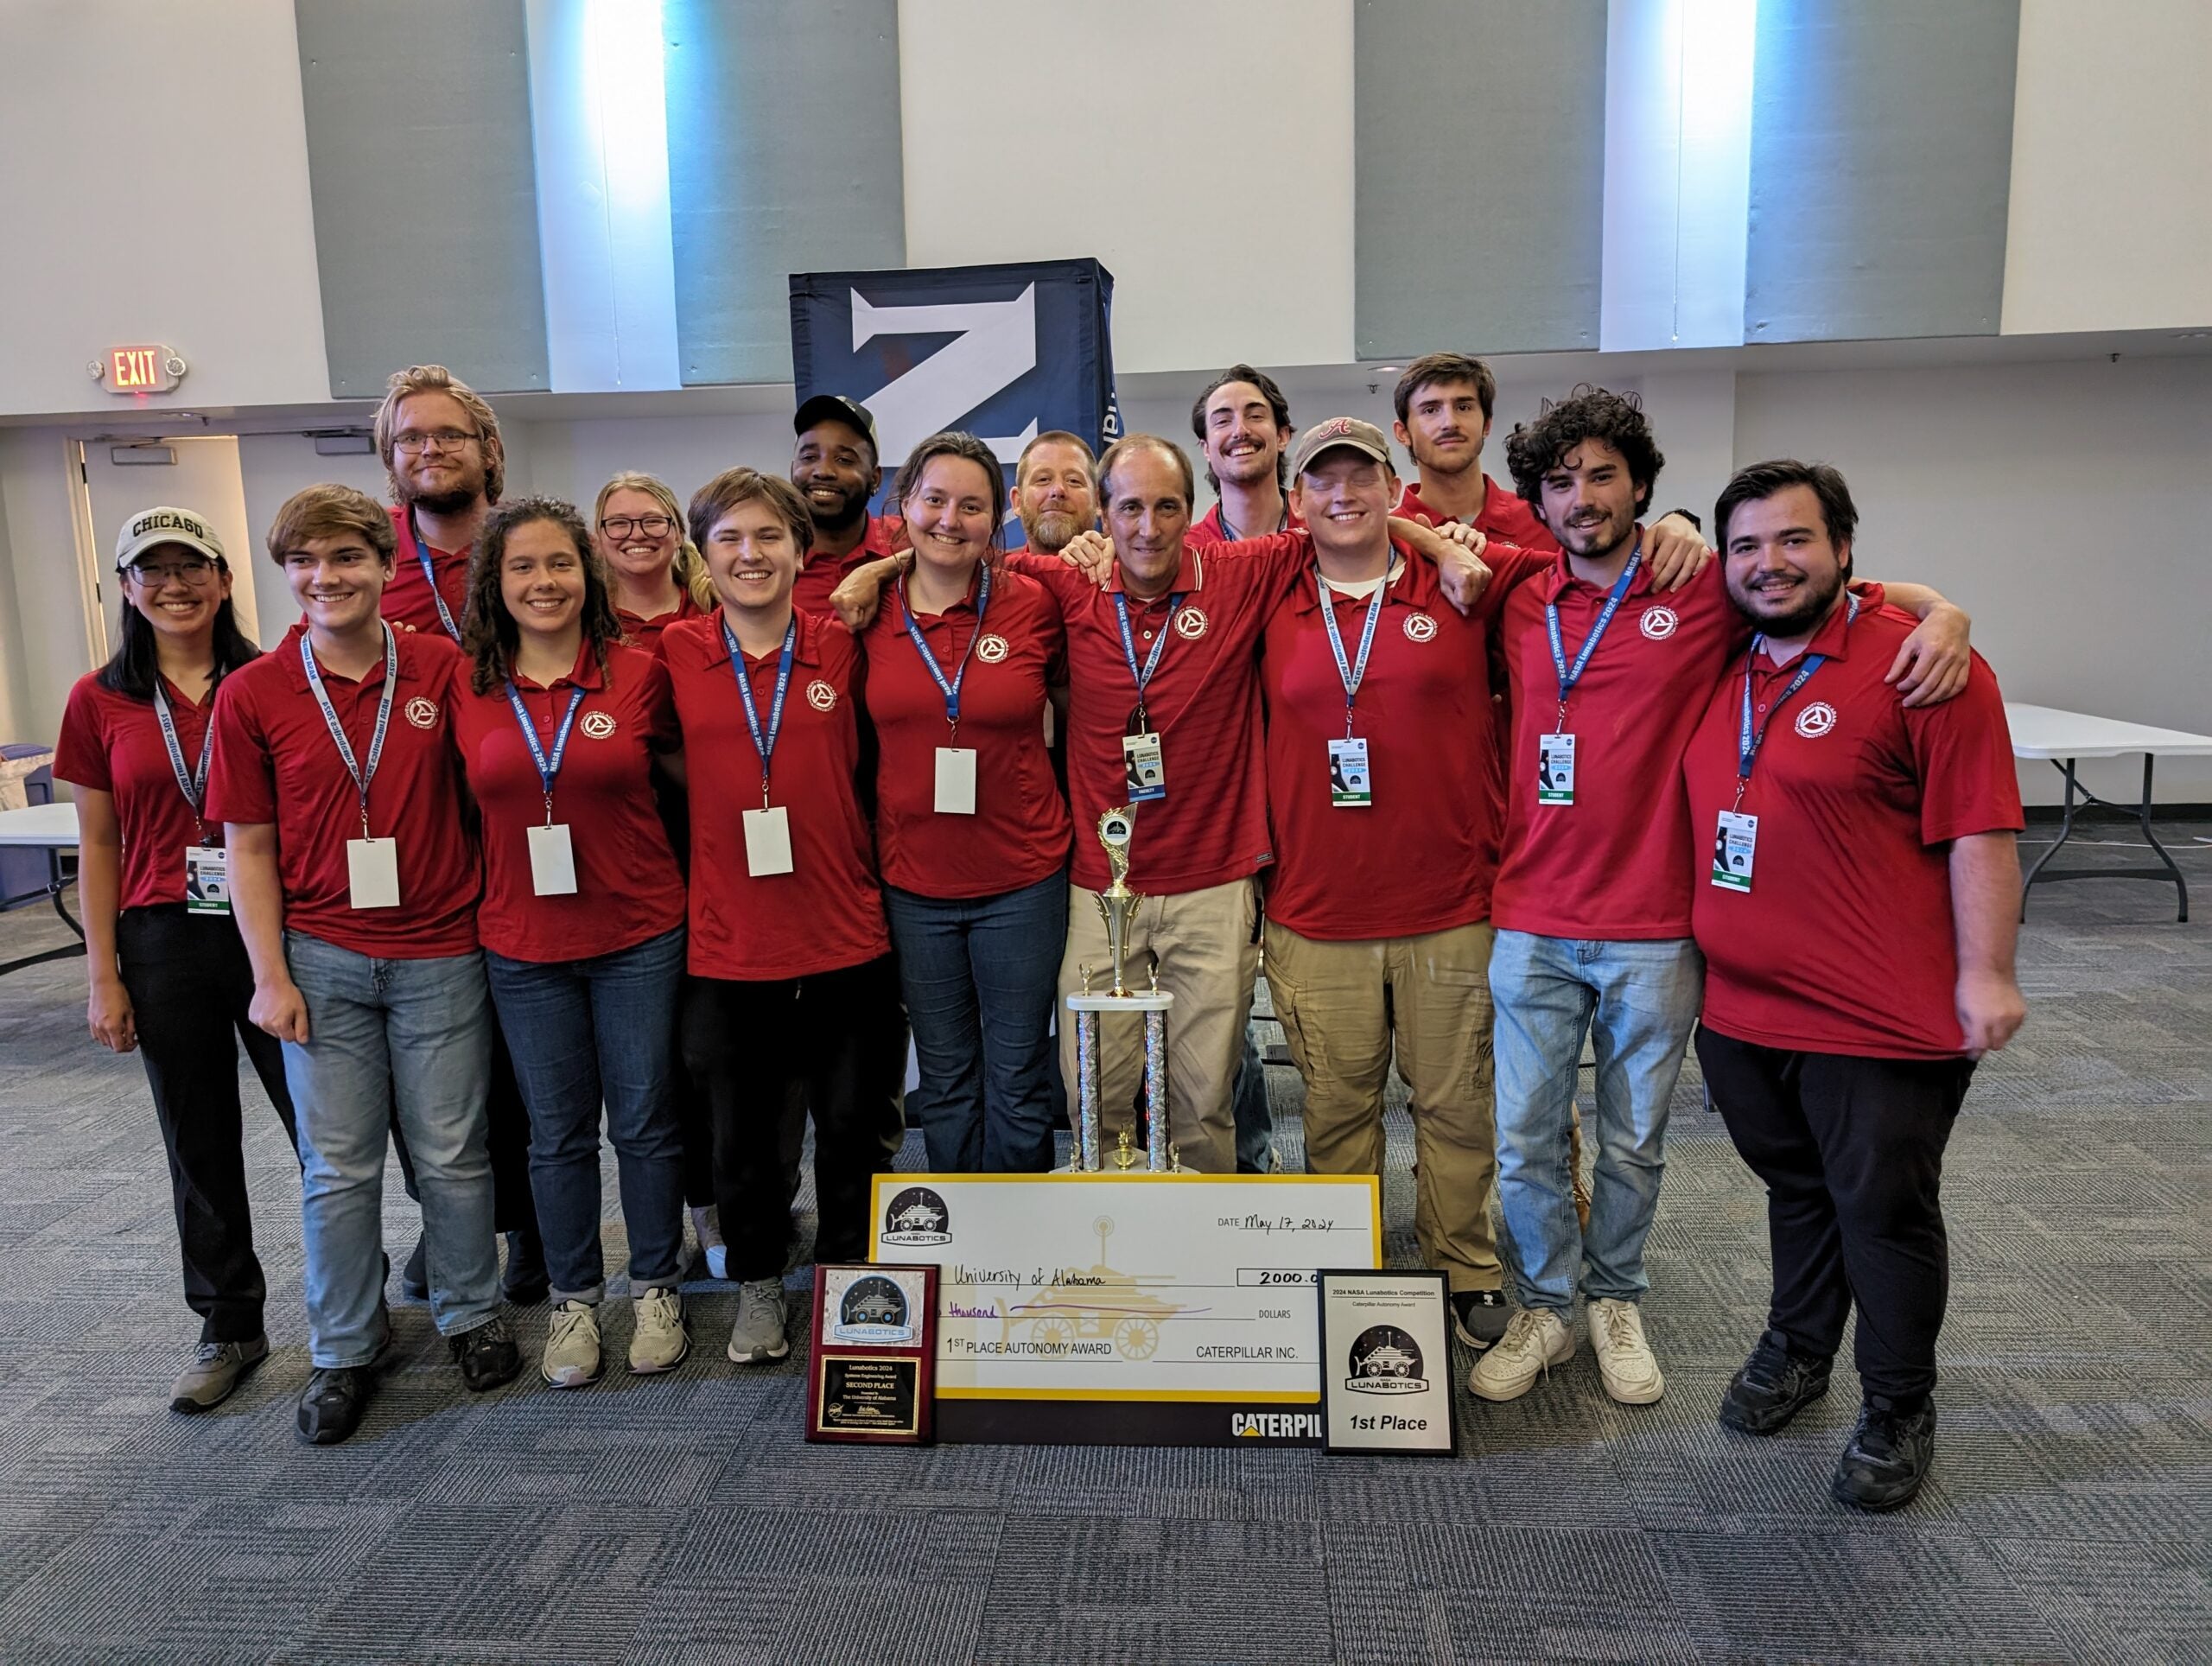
(684, 1520)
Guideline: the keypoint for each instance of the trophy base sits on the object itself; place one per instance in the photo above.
(1137, 1001)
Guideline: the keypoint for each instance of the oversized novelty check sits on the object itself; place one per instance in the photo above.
(1128, 1288)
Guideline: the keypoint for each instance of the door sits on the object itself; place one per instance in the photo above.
(122, 478)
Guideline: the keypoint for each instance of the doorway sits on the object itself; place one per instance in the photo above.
(121, 476)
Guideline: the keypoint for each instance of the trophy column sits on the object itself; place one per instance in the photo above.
(1088, 1152)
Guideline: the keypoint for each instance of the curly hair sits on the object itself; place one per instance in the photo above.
(1534, 449)
(436, 378)
(952, 443)
(690, 568)
(490, 636)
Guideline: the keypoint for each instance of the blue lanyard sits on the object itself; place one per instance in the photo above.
(1230, 535)
(1570, 675)
(193, 786)
(950, 691)
(1130, 646)
(361, 777)
(765, 744)
(1749, 739)
(1354, 674)
(547, 768)
(430, 577)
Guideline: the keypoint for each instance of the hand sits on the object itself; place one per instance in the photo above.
(115, 1025)
(1454, 549)
(1676, 553)
(1093, 553)
(1991, 1009)
(281, 1009)
(861, 592)
(1933, 665)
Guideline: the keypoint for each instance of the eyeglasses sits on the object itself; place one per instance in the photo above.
(653, 526)
(414, 443)
(193, 569)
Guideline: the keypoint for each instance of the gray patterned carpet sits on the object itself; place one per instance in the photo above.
(684, 1520)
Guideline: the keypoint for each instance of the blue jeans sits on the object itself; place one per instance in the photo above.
(1638, 1003)
(416, 1035)
(580, 1031)
(979, 975)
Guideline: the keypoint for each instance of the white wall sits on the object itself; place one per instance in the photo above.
(44, 643)
(572, 459)
(1204, 152)
(2063, 506)
(2111, 218)
(272, 467)
(156, 190)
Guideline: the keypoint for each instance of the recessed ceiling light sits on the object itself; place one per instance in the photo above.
(1381, 370)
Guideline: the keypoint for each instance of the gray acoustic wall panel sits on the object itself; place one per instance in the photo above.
(1881, 168)
(1480, 175)
(784, 156)
(425, 192)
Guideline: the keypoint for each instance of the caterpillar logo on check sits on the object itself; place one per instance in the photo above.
(1276, 1425)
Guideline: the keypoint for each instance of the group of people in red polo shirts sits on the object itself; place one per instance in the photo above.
(682, 820)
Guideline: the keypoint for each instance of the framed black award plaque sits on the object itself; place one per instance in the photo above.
(872, 1366)
(1386, 1362)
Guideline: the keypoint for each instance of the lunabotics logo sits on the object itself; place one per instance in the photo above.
(1386, 1360)
(917, 1215)
(874, 1310)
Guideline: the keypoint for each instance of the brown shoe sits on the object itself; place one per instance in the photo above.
(215, 1370)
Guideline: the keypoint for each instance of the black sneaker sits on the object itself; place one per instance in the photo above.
(1773, 1387)
(332, 1404)
(488, 1356)
(1886, 1458)
(414, 1278)
(1479, 1316)
(526, 1282)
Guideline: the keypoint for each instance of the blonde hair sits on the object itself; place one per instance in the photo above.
(688, 567)
(436, 378)
(329, 512)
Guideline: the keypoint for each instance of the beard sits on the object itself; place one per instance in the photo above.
(1598, 540)
(1813, 601)
(449, 502)
(1052, 531)
(852, 507)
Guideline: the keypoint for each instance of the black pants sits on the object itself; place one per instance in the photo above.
(513, 1207)
(753, 1048)
(190, 985)
(1851, 1153)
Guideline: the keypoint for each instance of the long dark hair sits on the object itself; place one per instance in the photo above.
(135, 667)
(490, 636)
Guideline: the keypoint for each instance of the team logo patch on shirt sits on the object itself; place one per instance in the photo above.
(1420, 627)
(821, 696)
(991, 649)
(422, 711)
(598, 724)
(1659, 623)
(1190, 624)
(1815, 719)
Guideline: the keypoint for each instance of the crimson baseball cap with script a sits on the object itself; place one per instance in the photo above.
(165, 525)
(1348, 432)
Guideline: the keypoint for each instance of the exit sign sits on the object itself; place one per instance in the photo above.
(139, 369)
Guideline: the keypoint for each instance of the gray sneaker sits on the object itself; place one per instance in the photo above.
(758, 1333)
(216, 1369)
(658, 1343)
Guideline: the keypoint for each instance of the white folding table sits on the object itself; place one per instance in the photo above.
(2063, 737)
(53, 828)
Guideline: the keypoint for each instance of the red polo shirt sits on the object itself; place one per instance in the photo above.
(1505, 516)
(1420, 857)
(1844, 942)
(275, 762)
(645, 633)
(113, 743)
(828, 912)
(1209, 528)
(627, 888)
(1203, 702)
(1616, 864)
(1019, 834)
(820, 574)
(407, 599)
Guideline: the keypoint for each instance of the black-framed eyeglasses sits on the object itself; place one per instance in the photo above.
(414, 443)
(621, 526)
(193, 569)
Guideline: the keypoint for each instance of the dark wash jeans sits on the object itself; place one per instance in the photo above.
(190, 984)
(583, 1033)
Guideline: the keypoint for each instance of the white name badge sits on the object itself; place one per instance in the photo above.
(552, 861)
(955, 781)
(206, 880)
(372, 872)
(1733, 844)
(1349, 787)
(767, 842)
(1144, 770)
(1555, 769)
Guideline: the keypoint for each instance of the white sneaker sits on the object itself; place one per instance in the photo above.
(572, 1346)
(1533, 1342)
(707, 1223)
(758, 1333)
(659, 1342)
(1624, 1362)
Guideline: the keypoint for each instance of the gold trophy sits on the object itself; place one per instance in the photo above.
(1117, 906)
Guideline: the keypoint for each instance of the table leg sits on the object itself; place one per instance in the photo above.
(2143, 820)
(2065, 832)
(2166, 871)
(57, 883)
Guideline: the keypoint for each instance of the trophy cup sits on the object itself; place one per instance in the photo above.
(1118, 905)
